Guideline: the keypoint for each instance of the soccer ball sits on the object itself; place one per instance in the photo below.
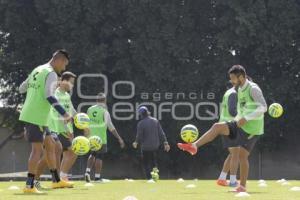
(81, 121)
(189, 133)
(275, 110)
(95, 143)
(80, 145)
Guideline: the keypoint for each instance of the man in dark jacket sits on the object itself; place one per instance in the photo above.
(149, 136)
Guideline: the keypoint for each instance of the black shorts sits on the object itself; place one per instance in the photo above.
(232, 126)
(240, 138)
(229, 143)
(247, 141)
(35, 133)
(66, 143)
(99, 154)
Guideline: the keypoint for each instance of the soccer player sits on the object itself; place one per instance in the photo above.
(150, 136)
(248, 125)
(227, 113)
(62, 133)
(100, 121)
(57, 125)
(40, 86)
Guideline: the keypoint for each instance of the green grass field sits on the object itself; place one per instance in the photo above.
(162, 190)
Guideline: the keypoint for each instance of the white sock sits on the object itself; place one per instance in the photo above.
(232, 178)
(194, 145)
(62, 174)
(97, 175)
(223, 176)
(88, 170)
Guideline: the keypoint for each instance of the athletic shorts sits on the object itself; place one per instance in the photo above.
(35, 133)
(229, 143)
(99, 154)
(66, 143)
(247, 141)
(232, 126)
(240, 138)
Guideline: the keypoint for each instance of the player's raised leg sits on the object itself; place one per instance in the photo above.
(217, 129)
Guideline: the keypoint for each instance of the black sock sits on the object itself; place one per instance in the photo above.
(55, 176)
(30, 180)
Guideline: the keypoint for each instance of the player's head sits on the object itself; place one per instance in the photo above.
(67, 81)
(143, 112)
(237, 74)
(60, 59)
(101, 98)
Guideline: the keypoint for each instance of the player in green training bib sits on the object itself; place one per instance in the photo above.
(39, 88)
(100, 122)
(62, 133)
(247, 126)
(228, 111)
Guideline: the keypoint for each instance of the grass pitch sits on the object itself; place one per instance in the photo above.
(162, 190)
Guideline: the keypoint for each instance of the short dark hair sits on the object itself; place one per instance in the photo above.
(101, 96)
(61, 52)
(237, 70)
(67, 75)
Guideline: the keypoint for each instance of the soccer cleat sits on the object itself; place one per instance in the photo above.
(62, 184)
(222, 182)
(239, 189)
(235, 184)
(187, 147)
(66, 179)
(99, 180)
(87, 177)
(33, 190)
(38, 186)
